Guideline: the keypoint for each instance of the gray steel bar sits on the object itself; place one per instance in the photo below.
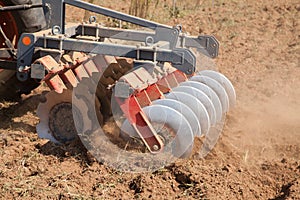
(121, 50)
(208, 45)
(114, 33)
(181, 58)
(20, 7)
(115, 14)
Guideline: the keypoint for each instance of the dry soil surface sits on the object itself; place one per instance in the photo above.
(257, 156)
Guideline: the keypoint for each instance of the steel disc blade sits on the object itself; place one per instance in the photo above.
(84, 102)
(196, 106)
(44, 132)
(225, 82)
(203, 98)
(217, 87)
(128, 130)
(210, 93)
(43, 112)
(184, 110)
(83, 123)
(183, 141)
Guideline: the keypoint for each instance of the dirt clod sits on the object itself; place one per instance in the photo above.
(136, 185)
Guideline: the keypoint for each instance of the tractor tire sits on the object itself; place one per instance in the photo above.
(15, 23)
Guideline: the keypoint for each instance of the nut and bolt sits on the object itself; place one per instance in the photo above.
(155, 147)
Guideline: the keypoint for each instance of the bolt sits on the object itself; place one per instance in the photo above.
(21, 68)
(155, 147)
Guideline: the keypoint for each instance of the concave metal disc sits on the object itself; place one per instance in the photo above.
(184, 110)
(183, 141)
(225, 82)
(203, 98)
(196, 106)
(217, 87)
(210, 93)
(56, 119)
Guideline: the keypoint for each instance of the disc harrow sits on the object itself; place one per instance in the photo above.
(197, 99)
(153, 98)
(146, 81)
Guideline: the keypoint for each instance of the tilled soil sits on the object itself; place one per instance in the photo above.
(257, 156)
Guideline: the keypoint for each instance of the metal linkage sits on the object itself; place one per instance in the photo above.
(160, 50)
(207, 45)
(164, 44)
(181, 58)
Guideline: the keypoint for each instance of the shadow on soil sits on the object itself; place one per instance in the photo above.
(12, 119)
(10, 110)
(74, 149)
(284, 192)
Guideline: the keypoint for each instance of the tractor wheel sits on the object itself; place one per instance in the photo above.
(15, 23)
